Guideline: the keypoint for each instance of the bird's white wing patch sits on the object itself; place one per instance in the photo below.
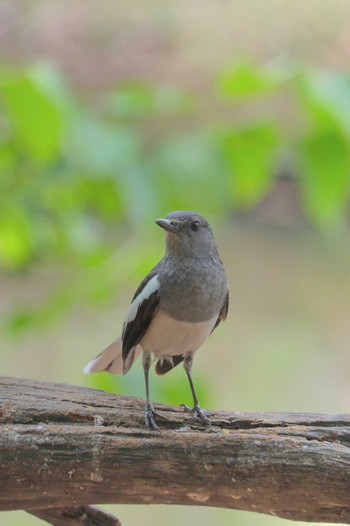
(151, 287)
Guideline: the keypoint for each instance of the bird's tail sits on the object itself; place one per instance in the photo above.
(111, 359)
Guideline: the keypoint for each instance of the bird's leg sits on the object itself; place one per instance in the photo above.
(196, 410)
(149, 411)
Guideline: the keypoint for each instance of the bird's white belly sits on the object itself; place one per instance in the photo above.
(166, 336)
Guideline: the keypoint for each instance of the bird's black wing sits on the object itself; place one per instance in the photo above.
(141, 311)
(223, 311)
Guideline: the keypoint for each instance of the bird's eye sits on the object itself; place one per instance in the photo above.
(195, 226)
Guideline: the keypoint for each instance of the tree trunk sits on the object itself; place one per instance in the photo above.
(64, 446)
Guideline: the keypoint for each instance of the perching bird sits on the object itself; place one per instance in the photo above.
(175, 308)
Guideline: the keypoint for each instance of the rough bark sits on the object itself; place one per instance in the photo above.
(63, 446)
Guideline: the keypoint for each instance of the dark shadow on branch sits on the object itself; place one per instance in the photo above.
(76, 516)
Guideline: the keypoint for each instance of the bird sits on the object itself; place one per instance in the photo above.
(174, 309)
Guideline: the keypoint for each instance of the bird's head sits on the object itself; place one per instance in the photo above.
(187, 234)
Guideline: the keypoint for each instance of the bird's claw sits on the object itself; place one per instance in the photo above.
(197, 412)
(150, 412)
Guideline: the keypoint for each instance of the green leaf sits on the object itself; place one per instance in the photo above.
(325, 99)
(245, 80)
(15, 241)
(7, 161)
(18, 322)
(35, 115)
(250, 154)
(325, 182)
(100, 196)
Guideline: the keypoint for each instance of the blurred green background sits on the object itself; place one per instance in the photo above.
(115, 113)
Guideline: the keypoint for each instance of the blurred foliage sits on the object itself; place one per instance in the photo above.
(72, 171)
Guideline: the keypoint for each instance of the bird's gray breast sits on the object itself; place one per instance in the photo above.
(193, 290)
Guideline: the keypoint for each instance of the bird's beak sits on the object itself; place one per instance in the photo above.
(166, 224)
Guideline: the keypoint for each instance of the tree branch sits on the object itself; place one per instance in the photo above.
(63, 446)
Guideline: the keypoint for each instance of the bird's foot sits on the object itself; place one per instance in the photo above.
(197, 412)
(150, 412)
